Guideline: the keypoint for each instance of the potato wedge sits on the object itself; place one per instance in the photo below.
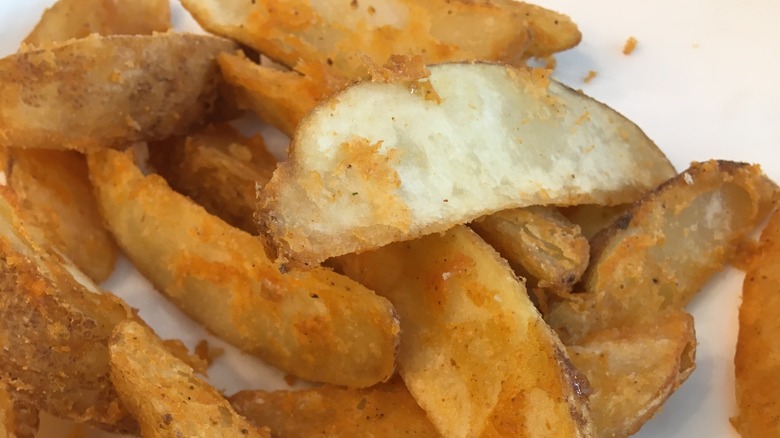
(281, 98)
(17, 420)
(539, 243)
(55, 330)
(68, 19)
(757, 359)
(661, 251)
(100, 92)
(219, 169)
(384, 410)
(633, 370)
(54, 186)
(376, 164)
(475, 353)
(55, 193)
(164, 394)
(332, 36)
(314, 324)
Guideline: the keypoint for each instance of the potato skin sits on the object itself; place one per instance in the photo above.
(108, 91)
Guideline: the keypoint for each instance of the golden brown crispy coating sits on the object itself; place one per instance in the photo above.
(663, 249)
(757, 361)
(54, 331)
(593, 218)
(475, 353)
(281, 98)
(17, 419)
(539, 243)
(384, 410)
(379, 162)
(329, 42)
(55, 193)
(632, 370)
(219, 169)
(100, 92)
(314, 323)
(68, 19)
(164, 394)
(330, 37)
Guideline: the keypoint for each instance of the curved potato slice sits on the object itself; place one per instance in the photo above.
(475, 353)
(662, 250)
(379, 162)
(757, 360)
(384, 410)
(55, 192)
(314, 323)
(633, 370)
(332, 36)
(100, 92)
(54, 330)
(163, 393)
(68, 19)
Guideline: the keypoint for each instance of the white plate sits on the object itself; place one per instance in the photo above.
(702, 83)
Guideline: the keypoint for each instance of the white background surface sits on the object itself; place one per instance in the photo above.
(702, 82)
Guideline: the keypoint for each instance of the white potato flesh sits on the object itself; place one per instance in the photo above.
(381, 162)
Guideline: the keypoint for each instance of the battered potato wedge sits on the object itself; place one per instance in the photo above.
(100, 92)
(384, 410)
(281, 98)
(219, 169)
(17, 420)
(539, 243)
(757, 360)
(475, 353)
(314, 324)
(377, 163)
(55, 193)
(164, 394)
(644, 263)
(68, 19)
(331, 37)
(633, 370)
(55, 330)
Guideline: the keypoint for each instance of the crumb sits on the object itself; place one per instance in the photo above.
(207, 353)
(629, 46)
(290, 379)
(591, 74)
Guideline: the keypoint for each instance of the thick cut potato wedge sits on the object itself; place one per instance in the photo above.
(54, 186)
(663, 249)
(54, 330)
(17, 420)
(219, 169)
(100, 92)
(633, 370)
(314, 324)
(55, 193)
(333, 36)
(68, 19)
(377, 163)
(281, 98)
(475, 353)
(163, 393)
(384, 410)
(539, 243)
(757, 361)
